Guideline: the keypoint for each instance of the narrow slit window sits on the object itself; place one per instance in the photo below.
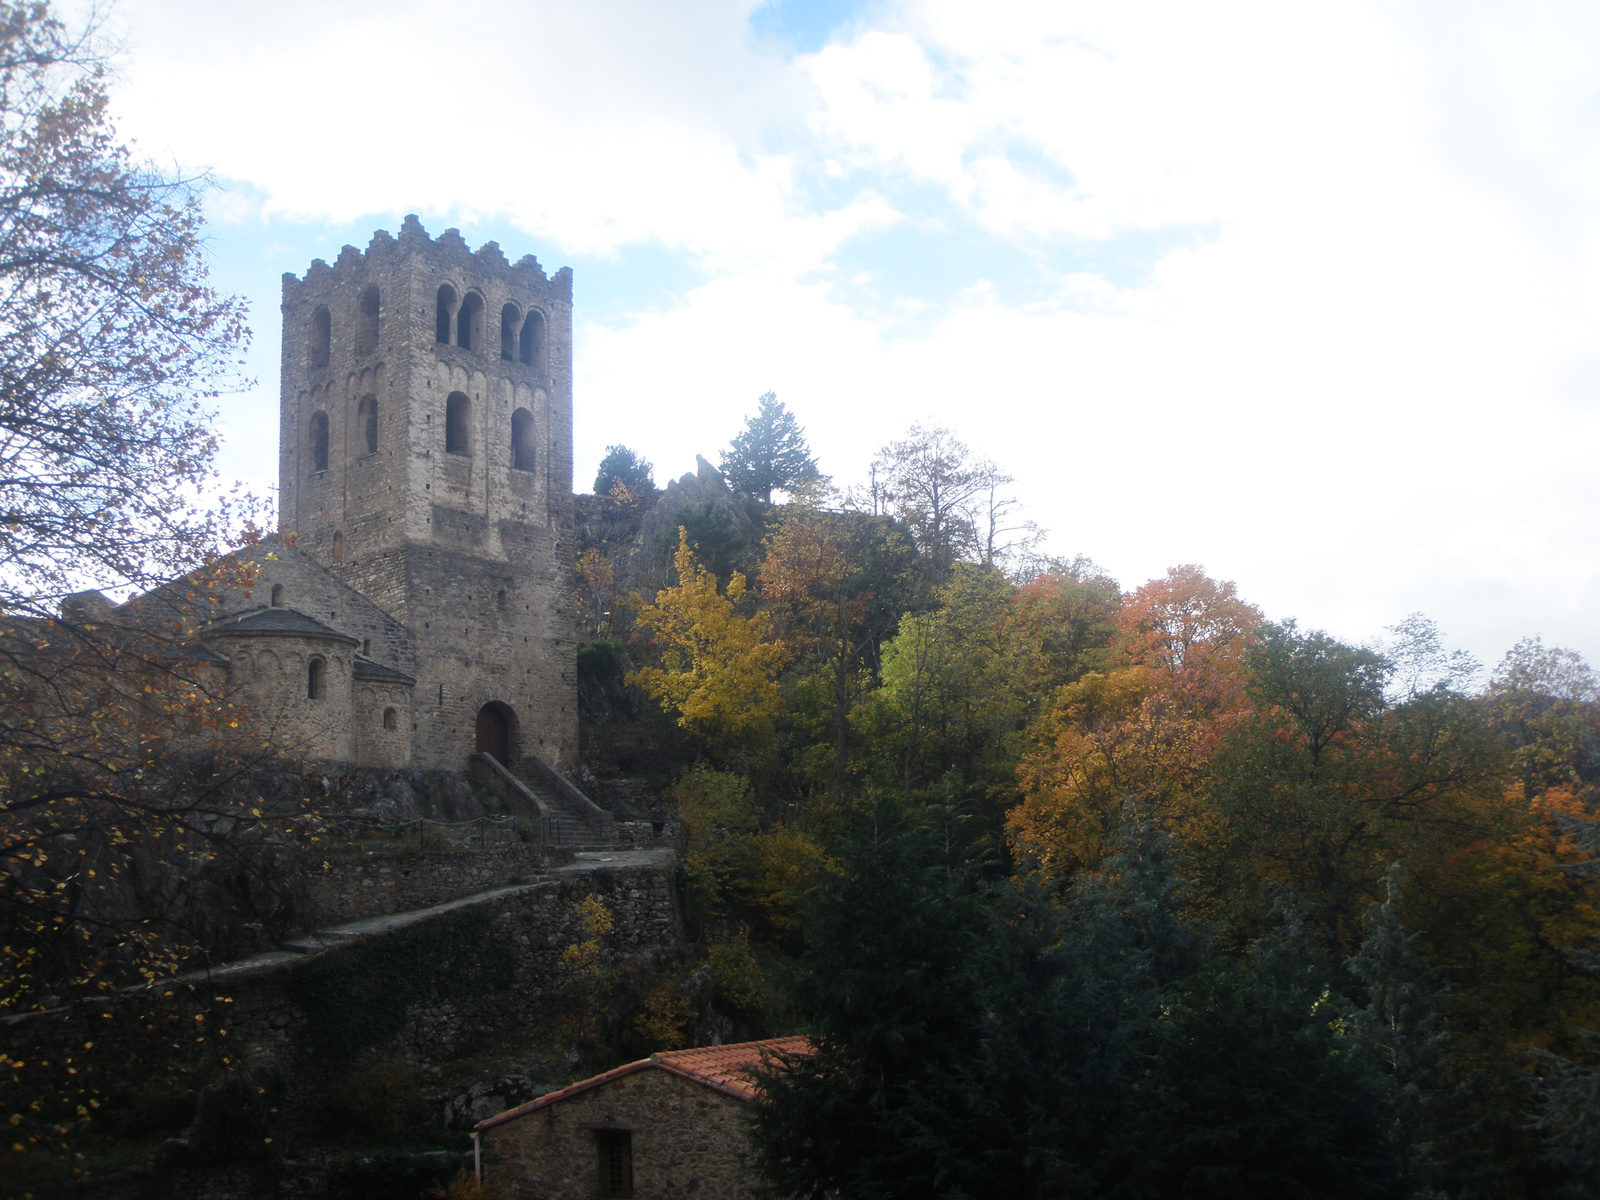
(321, 338)
(445, 315)
(338, 547)
(510, 318)
(367, 422)
(319, 441)
(457, 424)
(532, 349)
(367, 321)
(314, 681)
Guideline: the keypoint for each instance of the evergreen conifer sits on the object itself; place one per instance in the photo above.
(770, 454)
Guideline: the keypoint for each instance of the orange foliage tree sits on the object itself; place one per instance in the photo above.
(1146, 726)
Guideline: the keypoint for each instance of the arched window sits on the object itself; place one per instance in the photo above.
(391, 719)
(469, 323)
(367, 322)
(277, 595)
(338, 547)
(533, 340)
(522, 440)
(445, 314)
(501, 599)
(314, 679)
(319, 442)
(321, 338)
(457, 424)
(510, 318)
(367, 422)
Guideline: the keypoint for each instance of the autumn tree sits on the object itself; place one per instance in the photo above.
(1192, 629)
(955, 694)
(114, 336)
(1325, 783)
(829, 581)
(1146, 724)
(1069, 608)
(718, 662)
(1545, 702)
(951, 501)
(770, 453)
(112, 835)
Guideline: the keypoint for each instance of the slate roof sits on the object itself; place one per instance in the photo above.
(367, 668)
(197, 652)
(277, 621)
(725, 1068)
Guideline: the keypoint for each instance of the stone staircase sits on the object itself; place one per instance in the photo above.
(536, 790)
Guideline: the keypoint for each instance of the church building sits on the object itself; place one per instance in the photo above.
(422, 610)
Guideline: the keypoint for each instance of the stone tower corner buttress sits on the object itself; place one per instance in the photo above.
(425, 457)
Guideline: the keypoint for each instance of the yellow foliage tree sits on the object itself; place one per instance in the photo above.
(1106, 738)
(718, 667)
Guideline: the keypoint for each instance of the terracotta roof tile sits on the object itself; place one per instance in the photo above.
(726, 1068)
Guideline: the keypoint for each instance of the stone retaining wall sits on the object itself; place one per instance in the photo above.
(423, 992)
(350, 887)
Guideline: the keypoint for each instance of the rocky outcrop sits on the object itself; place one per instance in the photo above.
(698, 499)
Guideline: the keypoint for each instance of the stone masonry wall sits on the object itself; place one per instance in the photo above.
(686, 1141)
(347, 889)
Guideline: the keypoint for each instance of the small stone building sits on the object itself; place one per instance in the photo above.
(665, 1126)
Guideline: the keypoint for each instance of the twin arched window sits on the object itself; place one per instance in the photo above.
(457, 424)
(522, 340)
(319, 442)
(459, 320)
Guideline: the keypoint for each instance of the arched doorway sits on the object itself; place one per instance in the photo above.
(496, 723)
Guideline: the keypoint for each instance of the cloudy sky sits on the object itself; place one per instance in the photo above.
(1309, 294)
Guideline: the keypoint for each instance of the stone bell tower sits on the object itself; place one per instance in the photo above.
(425, 457)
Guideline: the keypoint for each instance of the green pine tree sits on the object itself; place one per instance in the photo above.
(887, 988)
(1399, 1029)
(1568, 1108)
(770, 454)
(626, 475)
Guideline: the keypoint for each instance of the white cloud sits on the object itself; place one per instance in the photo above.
(1365, 386)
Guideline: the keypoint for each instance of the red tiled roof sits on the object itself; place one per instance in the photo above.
(725, 1068)
(728, 1067)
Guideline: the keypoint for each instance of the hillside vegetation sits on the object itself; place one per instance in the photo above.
(1085, 889)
